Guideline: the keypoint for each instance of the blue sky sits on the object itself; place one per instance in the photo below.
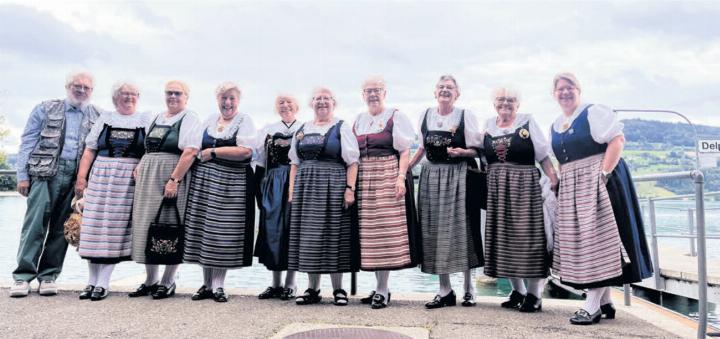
(627, 54)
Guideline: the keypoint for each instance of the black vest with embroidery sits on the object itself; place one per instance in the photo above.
(316, 146)
(121, 142)
(164, 138)
(514, 148)
(437, 142)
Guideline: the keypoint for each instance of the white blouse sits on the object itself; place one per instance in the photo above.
(403, 132)
(271, 129)
(190, 131)
(242, 123)
(117, 120)
(348, 142)
(437, 122)
(604, 124)
(540, 142)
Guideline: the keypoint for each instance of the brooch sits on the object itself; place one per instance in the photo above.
(524, 133)
(453, 130)
(571, 131)
(300, 135)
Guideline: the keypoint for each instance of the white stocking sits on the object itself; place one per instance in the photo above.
(592, 301)
(445, 286)
(518, 285)
(314, 281)
(168, 277)
(382, 283)
(152, 274)
(94, 271)
(336, 279)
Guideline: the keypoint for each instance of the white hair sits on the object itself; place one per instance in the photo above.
(509, 91)
(227, 86)
(118, 86)
(74, 75)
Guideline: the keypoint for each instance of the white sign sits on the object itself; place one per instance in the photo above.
(709, 145)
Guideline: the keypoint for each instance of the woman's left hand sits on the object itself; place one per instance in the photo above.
(399, 188)
(171, 189)
(349, 198)
(205, 155)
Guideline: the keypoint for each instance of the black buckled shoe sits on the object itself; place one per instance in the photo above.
(85, 294)
(287, 293)
(99, 293)
(438, 301)
(468, 300)
(310, 296)
(340, 297)
(583, 317)
(531, 304)
(608, 310)
(379, 301)
(202, 293)
(163, 292)
(514, 300)
(144, 290)
(271, 293)
(219, 295)
(368, 300)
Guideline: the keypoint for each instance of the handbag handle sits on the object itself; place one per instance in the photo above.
(163, 203)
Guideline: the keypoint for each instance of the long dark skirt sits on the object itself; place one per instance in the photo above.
(323, 236)
(271, 246)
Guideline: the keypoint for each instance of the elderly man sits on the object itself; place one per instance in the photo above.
(52, 143)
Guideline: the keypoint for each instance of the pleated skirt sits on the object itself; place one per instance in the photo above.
(515, 242)
(154, 171)
(450, 237)
(106, 232)
(587, 248)
(323, 236)
(271, 246)
(220, 215)
(385, 241)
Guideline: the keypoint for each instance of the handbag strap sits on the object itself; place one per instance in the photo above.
(167, 201)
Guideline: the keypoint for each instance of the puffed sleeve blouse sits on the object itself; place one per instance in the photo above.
(540, 142)
(241, 123)
(190, 131)
(403, 132)
(437, 122)
(270, 129)
(349, 149)
(117, 120)
(604, 124)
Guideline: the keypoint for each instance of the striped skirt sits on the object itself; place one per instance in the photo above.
(271, 247)
(515, 243)
(323, 239)
(587, 248)
(220, 216)
(449, 238)
(154, 172)
(384, 240)
(106, 234)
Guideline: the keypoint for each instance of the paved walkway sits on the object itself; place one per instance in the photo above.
(244, 316)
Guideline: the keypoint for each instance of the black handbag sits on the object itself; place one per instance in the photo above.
(165, 240)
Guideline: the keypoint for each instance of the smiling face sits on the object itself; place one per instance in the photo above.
(126, 99)
(506, 103)
(79, 90)
(374, 94)
(228, 103)
(323, 103)
(287, 107)
(567, 95)
(446, 92)
(175, 97)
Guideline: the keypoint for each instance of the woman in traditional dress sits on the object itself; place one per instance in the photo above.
(114, 147)
(323, 239)
(599, 236)
(385, 190)
(448, 205)
(220, 213)
(273, 163)
(515, 239)
(171, 144)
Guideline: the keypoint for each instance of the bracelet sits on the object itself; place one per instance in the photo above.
(177, 181)
(402, 176)
(350, 187)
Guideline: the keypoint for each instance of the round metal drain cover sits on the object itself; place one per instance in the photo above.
(348, 333)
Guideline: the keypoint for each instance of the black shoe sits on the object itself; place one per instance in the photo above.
(310, 296)
(85, 294)
(99, 293)
(608, 310)
(531, 304)
(202, 293)
(340, 297)
(514, 301)
(468, 300)
(163, 292)
(368, 300)
(270, 293)
(219, 295)
(438, 301)
(379, 301)
(287, 294)
(582, 317)
(144, 290)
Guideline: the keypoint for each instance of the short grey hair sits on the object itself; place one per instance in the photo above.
(226, 87)
(74, 75)
(295, 106)
(569, 77)
(509, 91)
(182, 85)
(450, 78)
(375, 79)
(118, 86)
(322, 89)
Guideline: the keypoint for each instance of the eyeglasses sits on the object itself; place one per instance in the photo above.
(373, 90)
(130, 94)
(566, 88)
(83, 88)
(174, 93)
(447, 87)
(500, 100)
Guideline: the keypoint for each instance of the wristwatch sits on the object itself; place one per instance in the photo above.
(606, 174)
(350, 187)
(177, 181)
(213, 154)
